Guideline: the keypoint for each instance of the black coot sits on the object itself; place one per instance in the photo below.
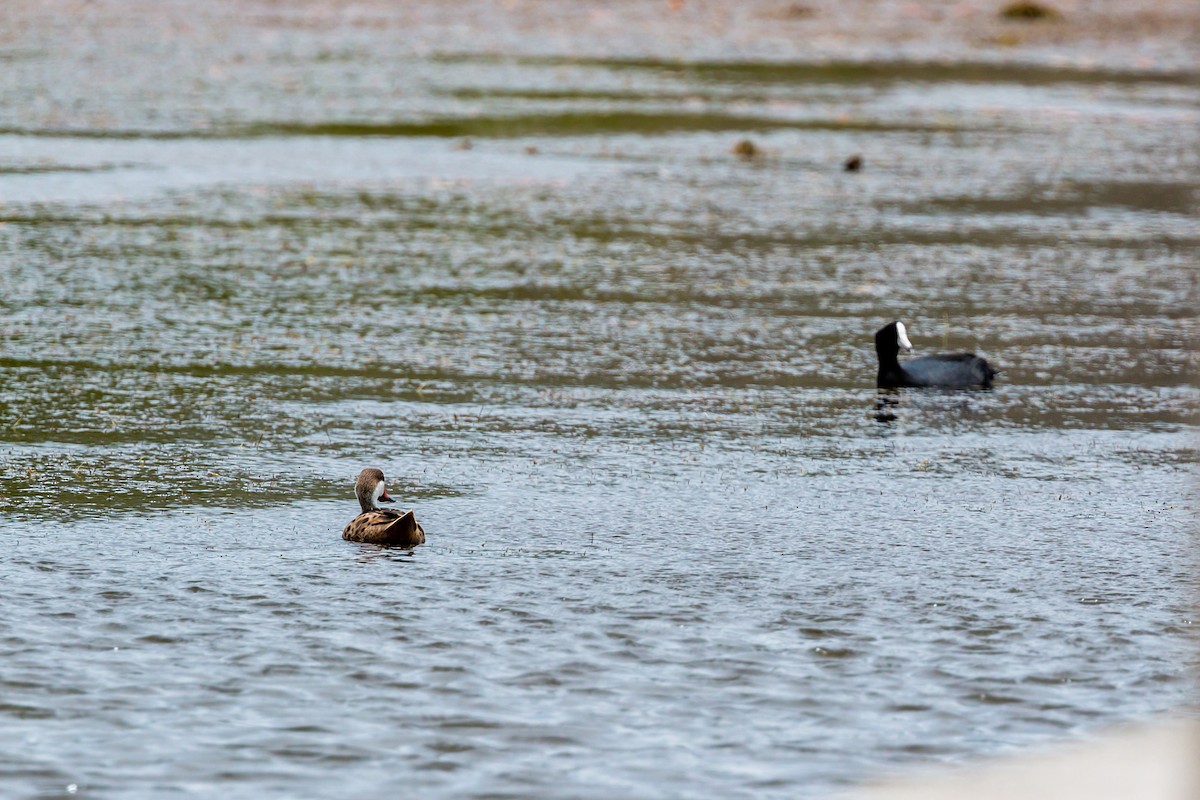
(957, 371)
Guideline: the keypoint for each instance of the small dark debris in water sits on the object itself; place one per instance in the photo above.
(853, 164)
(747, 149)
(797, 11)
(531, 150)
(463, 144)
(1025, 9)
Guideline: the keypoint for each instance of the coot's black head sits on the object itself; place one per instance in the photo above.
(890, 339)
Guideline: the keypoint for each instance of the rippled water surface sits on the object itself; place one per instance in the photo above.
(677, 545)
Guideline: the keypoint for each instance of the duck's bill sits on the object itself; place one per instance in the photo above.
(386, 498)
(902, 337)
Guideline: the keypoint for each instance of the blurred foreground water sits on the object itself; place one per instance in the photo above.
(626, 378)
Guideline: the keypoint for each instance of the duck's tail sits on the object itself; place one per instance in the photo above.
(405, 530)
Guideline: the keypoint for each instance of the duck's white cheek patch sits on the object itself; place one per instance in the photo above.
(902, 336)
(379, 489)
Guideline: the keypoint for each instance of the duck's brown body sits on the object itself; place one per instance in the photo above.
(377, 525)
(384, 526)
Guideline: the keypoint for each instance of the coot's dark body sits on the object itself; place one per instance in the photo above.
(954, 371)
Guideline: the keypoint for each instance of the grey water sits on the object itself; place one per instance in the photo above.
(678, 545)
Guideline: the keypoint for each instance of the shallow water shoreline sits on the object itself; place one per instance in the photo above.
(1153, 762)
(1103, 34)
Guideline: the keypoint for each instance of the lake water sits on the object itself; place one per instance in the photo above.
(678, 545)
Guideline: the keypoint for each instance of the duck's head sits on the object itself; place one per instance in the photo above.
(371, 489)
(891, 339)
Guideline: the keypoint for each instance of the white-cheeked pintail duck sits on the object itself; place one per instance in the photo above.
(377, 525)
